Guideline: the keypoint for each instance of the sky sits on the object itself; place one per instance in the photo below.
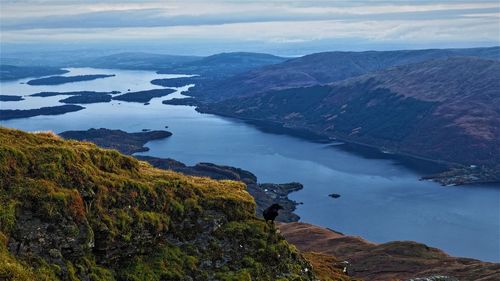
(271, 26)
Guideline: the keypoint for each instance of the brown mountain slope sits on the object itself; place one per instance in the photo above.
(398, 260)
(446, 110)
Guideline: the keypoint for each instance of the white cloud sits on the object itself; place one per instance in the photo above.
(267, 21)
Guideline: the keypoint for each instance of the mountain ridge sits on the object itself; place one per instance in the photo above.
(323, 68)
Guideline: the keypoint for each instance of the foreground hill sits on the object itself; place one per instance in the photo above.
(398, 260)
(72, 211)
(445, 110)
(322, 68)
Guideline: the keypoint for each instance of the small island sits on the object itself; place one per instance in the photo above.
(57, 80)
(6, 114)
(75, 93)
(122, 141)
(88, 98)
(174, 82)
(144, 96)
(80, 97)
(183, 101)
(10, 98)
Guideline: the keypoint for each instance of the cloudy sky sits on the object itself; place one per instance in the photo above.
(286, 27)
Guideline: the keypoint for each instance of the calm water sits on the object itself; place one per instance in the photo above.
(381, 201)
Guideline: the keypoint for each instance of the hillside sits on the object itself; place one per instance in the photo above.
(322, 68)
(224, 64)
(397, 260)
(72, 211)
(445, 110)
(130, 60)
(11, 72)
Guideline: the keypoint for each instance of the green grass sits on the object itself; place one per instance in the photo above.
(127, 220)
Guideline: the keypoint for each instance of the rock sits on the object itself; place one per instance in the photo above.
(334, 195)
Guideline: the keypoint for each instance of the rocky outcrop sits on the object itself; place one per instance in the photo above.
(398, 260)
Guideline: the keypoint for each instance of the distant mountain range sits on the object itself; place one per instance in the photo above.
(323, 68)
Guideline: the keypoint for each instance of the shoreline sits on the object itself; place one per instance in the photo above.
(447, 176)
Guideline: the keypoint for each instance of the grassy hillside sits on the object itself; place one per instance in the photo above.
(72, 211)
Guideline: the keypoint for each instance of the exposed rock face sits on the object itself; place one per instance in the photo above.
(72, 211)
(53, 241)
(399, 260)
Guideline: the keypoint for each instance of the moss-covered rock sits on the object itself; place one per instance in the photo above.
(72, 211)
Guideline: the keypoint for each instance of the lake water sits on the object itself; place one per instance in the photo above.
(382, 200)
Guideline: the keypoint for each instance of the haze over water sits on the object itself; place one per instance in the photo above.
(381, 200)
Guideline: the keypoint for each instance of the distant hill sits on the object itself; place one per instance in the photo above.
(446, 110)
(11, 72)
(218, 65)
(145, 61)
(322, 68)
(225, 63)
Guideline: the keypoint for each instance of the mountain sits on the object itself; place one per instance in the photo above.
(323, 68)
(445, 110)
(70, 210)
(397, 260)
